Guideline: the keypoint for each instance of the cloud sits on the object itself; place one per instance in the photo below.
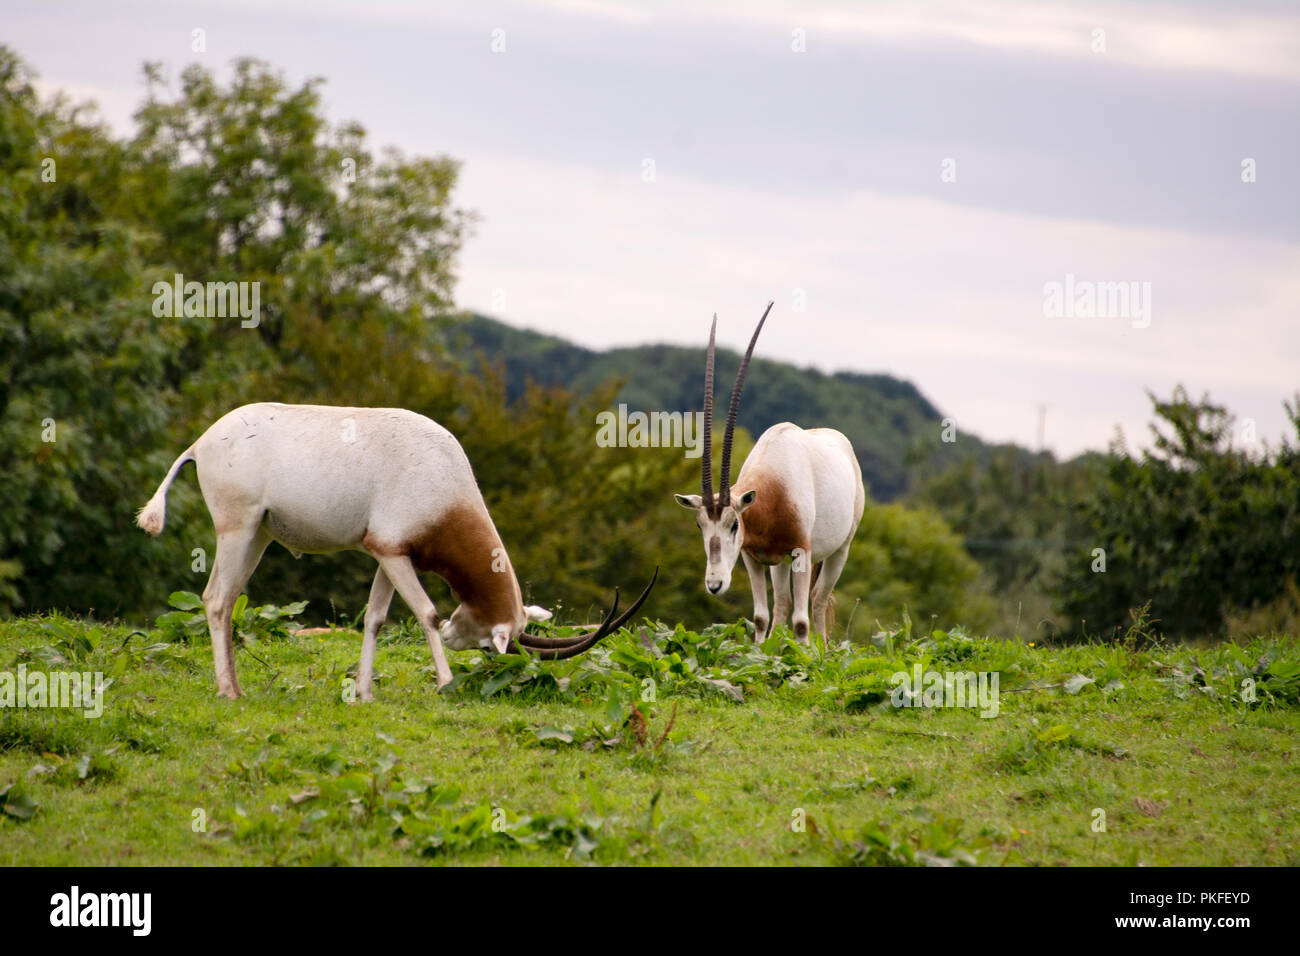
(777, 172)
(948, 296)
(1249, 39)
(1246, 39)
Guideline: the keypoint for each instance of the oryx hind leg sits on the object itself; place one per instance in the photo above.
(823, 596)
(381, 596)
(238, 552)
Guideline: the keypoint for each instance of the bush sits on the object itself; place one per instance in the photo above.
(1200, 529)
(908, 558)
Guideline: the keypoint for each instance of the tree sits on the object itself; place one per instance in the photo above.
(1014, 517)
(80, 362)
(245, 183)
(1195, 526)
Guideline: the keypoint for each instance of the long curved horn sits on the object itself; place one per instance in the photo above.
(562, 648)
(536, 643)
(725, 491)
(706, 459)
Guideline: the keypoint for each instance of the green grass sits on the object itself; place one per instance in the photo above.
(776, 755)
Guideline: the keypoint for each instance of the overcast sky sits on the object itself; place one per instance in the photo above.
(799, 152)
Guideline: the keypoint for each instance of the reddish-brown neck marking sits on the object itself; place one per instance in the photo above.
(464, 549)
(772, 527)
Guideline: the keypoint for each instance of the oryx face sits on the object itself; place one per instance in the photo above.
(464, 631)
(724, 536)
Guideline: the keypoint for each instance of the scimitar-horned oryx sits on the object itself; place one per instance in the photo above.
(794, 508)
(320, 479)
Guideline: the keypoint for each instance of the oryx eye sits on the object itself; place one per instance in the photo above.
(734, 526)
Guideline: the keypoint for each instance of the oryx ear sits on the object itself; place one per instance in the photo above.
(536, 613)
(746, 500)
(692, 502)
(501, 637)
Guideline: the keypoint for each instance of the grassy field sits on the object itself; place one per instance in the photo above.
(745, 755)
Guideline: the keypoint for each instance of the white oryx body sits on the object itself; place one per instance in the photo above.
(321, 479)
(800, 522)
(795, 508)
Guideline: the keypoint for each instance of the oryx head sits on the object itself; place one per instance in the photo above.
(463, 630)
(720, 517)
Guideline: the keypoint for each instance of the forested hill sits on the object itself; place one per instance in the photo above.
(888, 421)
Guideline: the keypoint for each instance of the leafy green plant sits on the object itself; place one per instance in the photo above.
(267, 622)
(933, 840)
(16, 803)
(626, 728)
(1037, 749)
(93, 765)
(427, 818)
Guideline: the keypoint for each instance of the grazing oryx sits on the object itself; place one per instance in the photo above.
(795, 508)
(320, 479)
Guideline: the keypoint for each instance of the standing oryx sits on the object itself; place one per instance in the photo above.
(795, 508)
(386, 481)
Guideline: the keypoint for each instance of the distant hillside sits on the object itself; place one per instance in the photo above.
(884, 417)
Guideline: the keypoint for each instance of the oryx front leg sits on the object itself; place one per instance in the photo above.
(237, 555)
(781, 601)
(758, 584)
(801, 572)
(381, 595)
(402, 574)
